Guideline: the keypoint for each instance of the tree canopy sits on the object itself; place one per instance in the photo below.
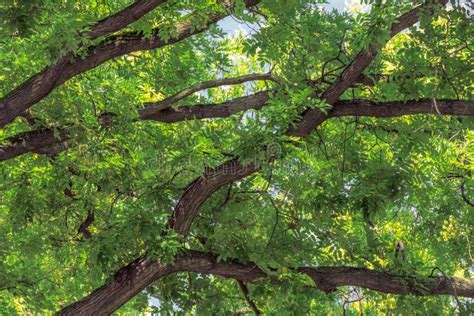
(319, 162)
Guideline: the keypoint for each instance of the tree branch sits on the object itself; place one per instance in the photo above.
(153, 107)
(350, 75)
(123, 18)
(84, 228)
(37, 141)
(45, 141)
(51, 142)
(401, 108)
(41, 84)
(225, 109)
(245, 292)
(133, 278)
(202, 188)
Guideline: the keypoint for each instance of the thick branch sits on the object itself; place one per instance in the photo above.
(41, 84)
(121, 19)
(351, 74)
(400, 108)
(37, 141)
(171, 115)
(133, 278)
(45, 141)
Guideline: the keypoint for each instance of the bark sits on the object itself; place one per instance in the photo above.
(37, 141)
(401, 108)
(126, 283)
(46, 142)
(40, 85)
(203, 111)
(133, 278)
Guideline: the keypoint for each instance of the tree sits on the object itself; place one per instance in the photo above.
(321, 163)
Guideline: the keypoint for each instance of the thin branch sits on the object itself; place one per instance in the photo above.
(245, 292)
(166, 103)
(463, 193)
(275, 224)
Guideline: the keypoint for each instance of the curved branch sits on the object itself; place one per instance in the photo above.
(202, 188)
(133, 278)
(166, 103)
(41, 84)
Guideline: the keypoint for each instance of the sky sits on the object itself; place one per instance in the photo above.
(231, 26)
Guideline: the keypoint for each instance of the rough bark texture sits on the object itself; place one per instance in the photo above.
(400, 108)
(132, 279)
(127, 282)
(41, 84)
(38, 141)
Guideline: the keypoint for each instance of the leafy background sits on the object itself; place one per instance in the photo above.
(344, 196)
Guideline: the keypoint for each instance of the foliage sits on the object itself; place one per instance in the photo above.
(345, 195)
